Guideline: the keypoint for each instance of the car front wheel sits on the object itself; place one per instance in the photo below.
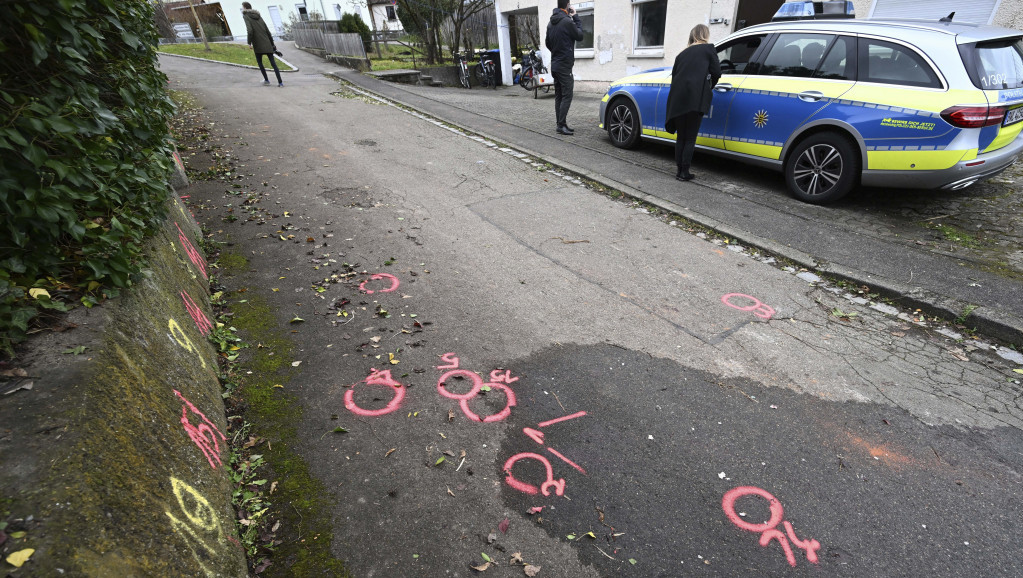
(822, 168)
(623, 124)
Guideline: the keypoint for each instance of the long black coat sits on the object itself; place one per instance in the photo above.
(563, 31)
(695, 73)
(260, 39)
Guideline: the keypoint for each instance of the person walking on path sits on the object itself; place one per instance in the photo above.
(693, 77)
(261, 41)
(563, 31)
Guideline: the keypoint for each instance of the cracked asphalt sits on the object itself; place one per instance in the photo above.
(649, 399)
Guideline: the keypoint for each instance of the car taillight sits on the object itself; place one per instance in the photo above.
(973, 116)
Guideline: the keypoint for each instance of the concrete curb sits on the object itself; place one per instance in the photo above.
(988, 321)
(295, 68)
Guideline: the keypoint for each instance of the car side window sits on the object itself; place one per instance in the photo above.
(796, 54)
(736, 55)
(890, 63)
(839, 59)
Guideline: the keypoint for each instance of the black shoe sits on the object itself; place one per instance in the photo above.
(565, 131)
(570, 129)
(685, 176)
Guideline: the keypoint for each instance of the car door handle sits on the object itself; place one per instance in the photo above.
(722, 87)
(810, 96)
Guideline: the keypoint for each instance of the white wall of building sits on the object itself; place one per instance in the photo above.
(328, 8)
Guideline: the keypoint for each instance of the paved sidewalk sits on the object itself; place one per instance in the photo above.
(957, 255)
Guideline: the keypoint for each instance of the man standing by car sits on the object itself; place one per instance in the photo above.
(563, 31)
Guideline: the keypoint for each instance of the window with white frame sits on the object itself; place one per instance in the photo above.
(648, 20)
(585, 12)
(392, 15)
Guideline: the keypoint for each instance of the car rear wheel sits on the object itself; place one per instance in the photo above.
(623, 124)
(822, 168)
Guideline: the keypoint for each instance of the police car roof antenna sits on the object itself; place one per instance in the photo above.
(948, 18)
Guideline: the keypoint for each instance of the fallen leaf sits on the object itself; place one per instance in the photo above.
(16, 372)
(440, 461)
(452, 494)
(590, 535)
(390, 451)
(632, 561)
(296, 363)
(451, 415)
(482, 567)
(571, 536)
(491, 538)
(20, 557)
(516, 558)
(375, 339)
(339, 430)
(392, 360)
(273, 487)
(1018, 370)
(296, 320)
(531, 570)
(503, 526)
(36, 293)
(449, 453)
(485, 557)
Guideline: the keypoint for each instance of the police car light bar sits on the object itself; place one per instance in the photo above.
(807, 10)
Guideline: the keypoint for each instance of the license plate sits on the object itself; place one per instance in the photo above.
(1013, 116)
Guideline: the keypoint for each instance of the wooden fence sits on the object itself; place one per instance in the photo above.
(348, 44)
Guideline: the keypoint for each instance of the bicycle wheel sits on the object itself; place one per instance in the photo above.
(463, 75)
(481, 74)
(492, 74)
(526, 79)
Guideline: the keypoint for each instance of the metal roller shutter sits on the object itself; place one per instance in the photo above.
(977, 11)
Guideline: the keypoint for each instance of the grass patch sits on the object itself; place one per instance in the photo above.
(219, 52)
(956, 235)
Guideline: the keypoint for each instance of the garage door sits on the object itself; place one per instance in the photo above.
(976, 11)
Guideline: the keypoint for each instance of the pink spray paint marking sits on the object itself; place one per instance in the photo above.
(538, 437)
(477, 384)
(535, 435)
(378, 277)
(558, 485)
(452, 361)
(497, 377)
(376, 378)
(195, 312)
(203, 434)
(193, 254)
(756, 307)
(561, 419)
(567, 461)
(501, 415)
(768, 530)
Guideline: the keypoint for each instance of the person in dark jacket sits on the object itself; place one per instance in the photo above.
(693, 77)
(563, 31)
(261, 41)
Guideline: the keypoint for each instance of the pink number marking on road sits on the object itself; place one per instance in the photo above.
(567, 461)
(193, 254)
(558, 485)
(203, 434)
(768, 530)
(561, 419)
(201, 321)
(504, 413)
(378, 277)
(757, 307)
(376, 378)
(450, 359)
(497, 377)
(477, 384)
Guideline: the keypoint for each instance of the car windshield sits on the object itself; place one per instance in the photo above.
(998, 65)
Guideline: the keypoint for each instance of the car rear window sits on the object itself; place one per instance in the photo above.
(890, 63)
(995, 65)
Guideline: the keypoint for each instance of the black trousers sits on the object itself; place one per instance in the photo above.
(563, 84)
(688, 126)
(273, 63)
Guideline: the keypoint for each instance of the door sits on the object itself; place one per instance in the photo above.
(735, 57)
(798, 77)
(275, 17)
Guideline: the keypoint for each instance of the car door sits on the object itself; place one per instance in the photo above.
(800, 74)
(735, 56)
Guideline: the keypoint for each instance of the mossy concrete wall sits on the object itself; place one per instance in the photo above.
(114, 463)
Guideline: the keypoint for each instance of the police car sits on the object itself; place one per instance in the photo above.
(836, 103)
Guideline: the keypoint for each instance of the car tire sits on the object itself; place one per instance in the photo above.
(623, 126)
(823, 168)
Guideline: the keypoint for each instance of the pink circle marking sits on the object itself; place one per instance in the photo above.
(558, 485)
(376, 277)
(477, 383)
(377, 378)
(504, 413)
(728, 504)
(758, 307)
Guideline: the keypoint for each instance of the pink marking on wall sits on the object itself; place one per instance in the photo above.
(452, 361)
(203, 434)
(193, 254)
(768, 530)
(201, 321)
(561, 419)
(558, 485)
(499, 416)
(378, 277)
(376, 378)
(177, 159)
(567, 461)
(755, 306)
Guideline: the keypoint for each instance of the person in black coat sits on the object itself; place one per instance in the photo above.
(563, 31)
(693, 77)
(261, 41)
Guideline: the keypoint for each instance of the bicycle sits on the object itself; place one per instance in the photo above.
(463, 69)
(532, 67)
(486, 70)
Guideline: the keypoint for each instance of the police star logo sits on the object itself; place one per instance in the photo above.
(760, 119)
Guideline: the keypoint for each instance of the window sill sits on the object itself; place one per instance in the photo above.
(646, 54)
(585, 53)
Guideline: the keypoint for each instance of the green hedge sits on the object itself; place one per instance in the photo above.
(85, 149)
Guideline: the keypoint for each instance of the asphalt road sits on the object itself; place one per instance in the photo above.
(527, 366)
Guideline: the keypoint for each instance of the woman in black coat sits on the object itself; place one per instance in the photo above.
(695, 73)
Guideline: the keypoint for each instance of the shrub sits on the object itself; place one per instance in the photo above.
(85, 151)
(354, 23)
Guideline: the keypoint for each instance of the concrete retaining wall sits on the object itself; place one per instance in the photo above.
(113, 460)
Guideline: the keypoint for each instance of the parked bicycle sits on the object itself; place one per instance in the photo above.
(463, 69)
(532, 68)
(486, 70)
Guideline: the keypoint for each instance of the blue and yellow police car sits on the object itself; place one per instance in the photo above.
(833, 103)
